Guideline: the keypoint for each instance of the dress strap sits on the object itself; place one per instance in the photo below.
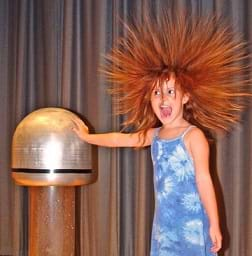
(187, 130)
(156, 132)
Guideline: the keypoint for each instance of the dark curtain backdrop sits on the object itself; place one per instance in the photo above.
(49, 54)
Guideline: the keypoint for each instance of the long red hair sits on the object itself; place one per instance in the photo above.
(209, 60)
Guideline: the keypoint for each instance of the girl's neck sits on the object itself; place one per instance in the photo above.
(182, 124)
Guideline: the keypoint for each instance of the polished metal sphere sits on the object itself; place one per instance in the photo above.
(46, 151)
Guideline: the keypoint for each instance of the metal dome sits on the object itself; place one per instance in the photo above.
(46, 151)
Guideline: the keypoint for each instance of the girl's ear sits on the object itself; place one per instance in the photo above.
(185, 98)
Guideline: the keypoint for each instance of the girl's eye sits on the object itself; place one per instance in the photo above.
(157, 92)
(171, 92)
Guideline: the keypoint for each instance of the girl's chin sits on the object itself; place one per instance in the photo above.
(165, 117)
(165, 120)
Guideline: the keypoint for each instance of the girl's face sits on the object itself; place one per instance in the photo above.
(167, 101)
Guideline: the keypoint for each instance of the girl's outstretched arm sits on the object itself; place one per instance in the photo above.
(199, 149)
(114, 139)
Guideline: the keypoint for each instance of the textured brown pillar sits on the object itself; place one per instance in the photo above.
(51, 221)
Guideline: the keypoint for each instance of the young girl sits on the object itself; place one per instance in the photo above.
(171, 76)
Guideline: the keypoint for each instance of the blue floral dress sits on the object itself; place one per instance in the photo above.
(180, 226)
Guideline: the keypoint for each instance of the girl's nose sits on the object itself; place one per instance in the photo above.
(165, 98)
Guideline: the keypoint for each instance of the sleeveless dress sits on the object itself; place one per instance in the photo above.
(180, 225)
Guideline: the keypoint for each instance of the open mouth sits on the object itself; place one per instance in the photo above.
(165, 111)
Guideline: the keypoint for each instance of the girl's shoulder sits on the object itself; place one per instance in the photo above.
(152, 132)
(193, 133)
(195, 139)
(148, 136)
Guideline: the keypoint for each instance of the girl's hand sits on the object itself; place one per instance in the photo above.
(216, 238)
(80, 129)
